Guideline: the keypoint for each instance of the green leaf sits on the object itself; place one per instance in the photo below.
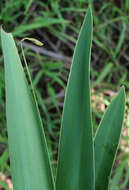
(76, 161)
(106, 70)
(107, 140)
(38, 23)
(28, 151)
(120, 41)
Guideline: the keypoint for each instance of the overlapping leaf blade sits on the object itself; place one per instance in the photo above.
(76, 162)
(28, 151)
(107, 140)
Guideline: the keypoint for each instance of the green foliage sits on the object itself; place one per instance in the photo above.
(26, 137)
(77, 158)
(76, 121)
(107, 139)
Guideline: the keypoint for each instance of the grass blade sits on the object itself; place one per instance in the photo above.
(107, 140)
(39, 23)
(76, 163)
(28, 151)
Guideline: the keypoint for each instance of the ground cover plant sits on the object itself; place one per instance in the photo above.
(84, 161)
(50, 65)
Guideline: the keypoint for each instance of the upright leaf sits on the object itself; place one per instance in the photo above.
(76, 163)
(28, 151)
(107, 140)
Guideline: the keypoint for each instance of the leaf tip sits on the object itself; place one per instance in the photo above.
(121, 95)
(89, 10)
(3, 32)
(122, 91)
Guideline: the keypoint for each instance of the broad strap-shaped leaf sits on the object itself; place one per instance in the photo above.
(107, 140)
(76, 161)
(28, 151)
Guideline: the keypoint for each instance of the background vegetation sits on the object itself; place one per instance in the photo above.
(56, 23)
